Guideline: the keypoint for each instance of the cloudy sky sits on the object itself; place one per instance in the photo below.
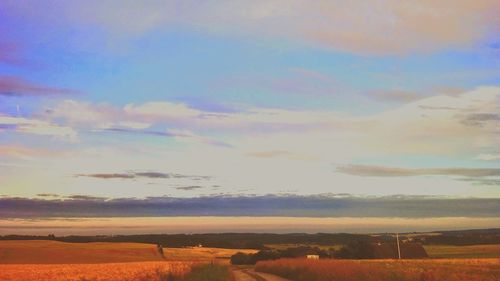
(323, 108)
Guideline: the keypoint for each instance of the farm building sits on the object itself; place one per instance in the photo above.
(409, 250)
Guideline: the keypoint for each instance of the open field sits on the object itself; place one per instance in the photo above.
(474, 251)
(384, 270)
(135, 271)
(43, 260)
(53, 252)
(202, 254)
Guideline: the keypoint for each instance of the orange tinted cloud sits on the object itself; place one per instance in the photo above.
(22, 151)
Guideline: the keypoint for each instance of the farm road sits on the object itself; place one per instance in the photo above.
(251, 275)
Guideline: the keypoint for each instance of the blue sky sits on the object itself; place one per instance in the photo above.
(246, 98)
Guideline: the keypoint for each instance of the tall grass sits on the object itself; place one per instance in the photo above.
(383, 270)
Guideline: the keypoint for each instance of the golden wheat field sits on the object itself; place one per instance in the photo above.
(135, 271)
(54, 252)
(15, 252)
(384, 270)
(57, 261)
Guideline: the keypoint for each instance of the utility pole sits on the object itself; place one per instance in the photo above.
(399, 250)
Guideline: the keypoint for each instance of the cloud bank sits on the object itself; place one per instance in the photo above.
(270, 205)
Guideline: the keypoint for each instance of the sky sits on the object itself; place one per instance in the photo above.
(387, 109)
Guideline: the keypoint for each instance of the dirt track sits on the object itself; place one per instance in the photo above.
(251, 275)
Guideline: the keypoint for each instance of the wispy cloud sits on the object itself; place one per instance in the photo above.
(489, 156)
(382, 171)
(36, 127)
(484, 181)
(280, 154)
(15, 86)
(191, 187)
(53, 195)
(140, 132)
(148, 174)
(25, 152)
(479, 119)
(394, 95)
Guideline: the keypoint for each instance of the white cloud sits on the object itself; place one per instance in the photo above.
(162, 110)
(488, 157)
(38, 127)
(434, 126)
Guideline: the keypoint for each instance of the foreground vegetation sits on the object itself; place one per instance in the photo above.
(135, 271)
(139, 271)
(207, 272)
(384, 270)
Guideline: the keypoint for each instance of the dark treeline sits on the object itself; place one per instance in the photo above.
(259, 240)
(223, 240)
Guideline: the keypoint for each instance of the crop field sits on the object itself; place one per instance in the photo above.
(384, 270)
(57, 261)
(15, 252)
(202, 254)
(53, 252)
(135, 271)
(474, 251)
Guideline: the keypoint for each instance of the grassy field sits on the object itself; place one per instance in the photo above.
(384, 270)
(474, 251)
(53, 252)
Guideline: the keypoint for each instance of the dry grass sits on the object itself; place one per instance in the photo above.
(474, 251)
(136, 271)
(53, 252)
(384, 270)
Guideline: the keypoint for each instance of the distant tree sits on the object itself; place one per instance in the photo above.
(241, 259)
(356, 250)
(266, 255)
